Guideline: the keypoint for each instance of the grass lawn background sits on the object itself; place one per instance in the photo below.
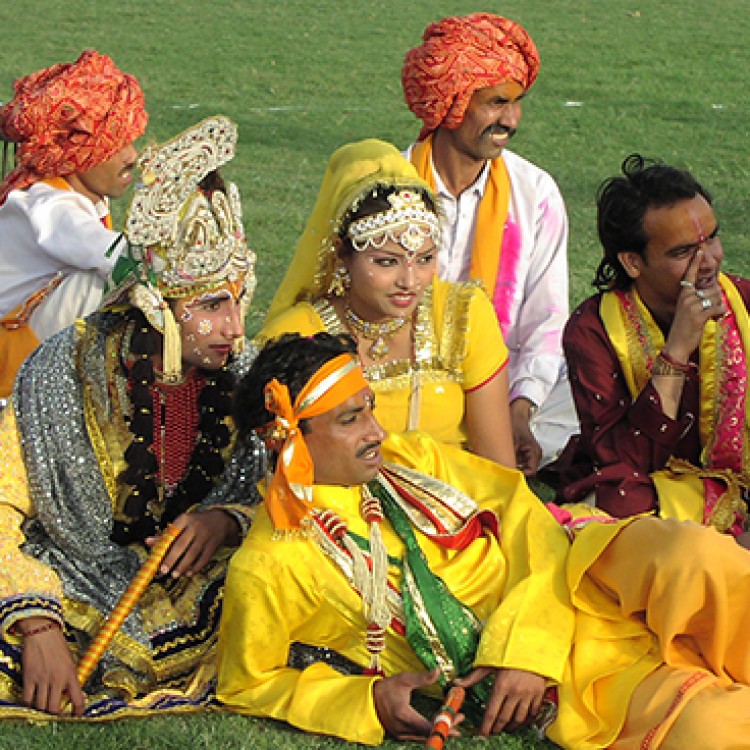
(301, 78)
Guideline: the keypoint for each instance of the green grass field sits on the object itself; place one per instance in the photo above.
(301, 78)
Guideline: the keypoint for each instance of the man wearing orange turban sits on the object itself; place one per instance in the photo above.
(504, 218)
(74, 125)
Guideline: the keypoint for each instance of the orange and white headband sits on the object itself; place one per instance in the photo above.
(289, 494)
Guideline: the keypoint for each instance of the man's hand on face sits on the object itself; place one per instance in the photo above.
(49, 674)
(692, 313)
(203, 532)
(528, 450)
(515, 701)
(392, 696)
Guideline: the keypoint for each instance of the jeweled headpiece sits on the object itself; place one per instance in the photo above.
(182, 241)
(354, 171)
(408, 223)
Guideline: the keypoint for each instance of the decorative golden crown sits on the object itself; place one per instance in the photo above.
(182, 241)
(193, 240)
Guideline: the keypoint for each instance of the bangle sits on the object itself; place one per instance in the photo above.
(670, 360)
(51, 625)
(664, 364)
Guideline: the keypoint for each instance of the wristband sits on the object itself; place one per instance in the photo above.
(51, 625)
(664, 364)
(676, 364)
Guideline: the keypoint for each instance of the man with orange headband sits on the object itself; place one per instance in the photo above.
(504, 218)
(383, 565)
(74, 125)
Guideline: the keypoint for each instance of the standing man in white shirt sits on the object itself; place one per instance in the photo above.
(74, 125)
(504, 218)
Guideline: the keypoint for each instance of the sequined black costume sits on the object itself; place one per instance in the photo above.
(62, 441)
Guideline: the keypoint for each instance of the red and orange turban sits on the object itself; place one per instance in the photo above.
(460, 55)
(70, 117)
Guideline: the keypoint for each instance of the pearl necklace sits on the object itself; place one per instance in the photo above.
(375, 332)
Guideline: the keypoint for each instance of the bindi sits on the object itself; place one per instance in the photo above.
(699, 231)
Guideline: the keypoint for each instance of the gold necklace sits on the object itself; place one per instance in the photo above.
(375, 332)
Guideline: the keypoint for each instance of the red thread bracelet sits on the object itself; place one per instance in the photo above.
(683, 367)
(51, 625)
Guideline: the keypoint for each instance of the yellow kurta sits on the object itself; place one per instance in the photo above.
(659, 615)
(279, 592)
(458, 347)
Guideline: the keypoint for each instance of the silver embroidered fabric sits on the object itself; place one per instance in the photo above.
(74, 513)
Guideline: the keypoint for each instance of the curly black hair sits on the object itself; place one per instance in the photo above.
(291, 359)
(622, 202)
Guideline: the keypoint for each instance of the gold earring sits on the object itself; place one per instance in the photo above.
(340, 282)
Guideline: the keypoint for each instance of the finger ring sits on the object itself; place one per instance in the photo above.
(687, 284)
(705, 303)
(701, 294)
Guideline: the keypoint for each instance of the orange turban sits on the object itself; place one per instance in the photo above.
(70, 117)
(460, 55)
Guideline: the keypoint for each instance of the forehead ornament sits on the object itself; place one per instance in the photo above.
(408, 223)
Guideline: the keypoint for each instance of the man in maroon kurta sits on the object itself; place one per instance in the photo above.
(662, 423)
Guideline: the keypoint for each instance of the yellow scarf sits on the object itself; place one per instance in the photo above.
(352, 171)
(493, 212)
(636, 351)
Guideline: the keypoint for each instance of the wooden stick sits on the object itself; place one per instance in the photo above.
(125, 605)
(444, 718)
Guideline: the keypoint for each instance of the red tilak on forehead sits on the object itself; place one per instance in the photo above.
(702, 236)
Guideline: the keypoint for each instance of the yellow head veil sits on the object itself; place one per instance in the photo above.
(352, 171)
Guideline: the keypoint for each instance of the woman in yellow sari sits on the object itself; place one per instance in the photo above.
(365, 265)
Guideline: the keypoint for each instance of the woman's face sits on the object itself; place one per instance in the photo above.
(389, 281)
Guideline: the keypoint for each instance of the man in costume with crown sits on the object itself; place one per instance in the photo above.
(383, 565)
(118, 426)
(74, 125)
(658, 359)
(504, 218)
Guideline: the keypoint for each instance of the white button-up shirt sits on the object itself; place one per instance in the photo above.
(535, 297)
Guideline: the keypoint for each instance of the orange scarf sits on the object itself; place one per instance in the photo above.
(493, 212)
(289, 496)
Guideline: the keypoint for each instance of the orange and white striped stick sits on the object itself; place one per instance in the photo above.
(445, 718)
(127, 601)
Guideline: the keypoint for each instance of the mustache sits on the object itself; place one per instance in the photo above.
(499, 130)
(365, 449)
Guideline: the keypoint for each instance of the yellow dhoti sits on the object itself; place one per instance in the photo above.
(684, 681)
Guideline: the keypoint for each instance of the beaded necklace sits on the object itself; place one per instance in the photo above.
(375, 332)
(166, 478)
(370, 579)
(177, 417)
